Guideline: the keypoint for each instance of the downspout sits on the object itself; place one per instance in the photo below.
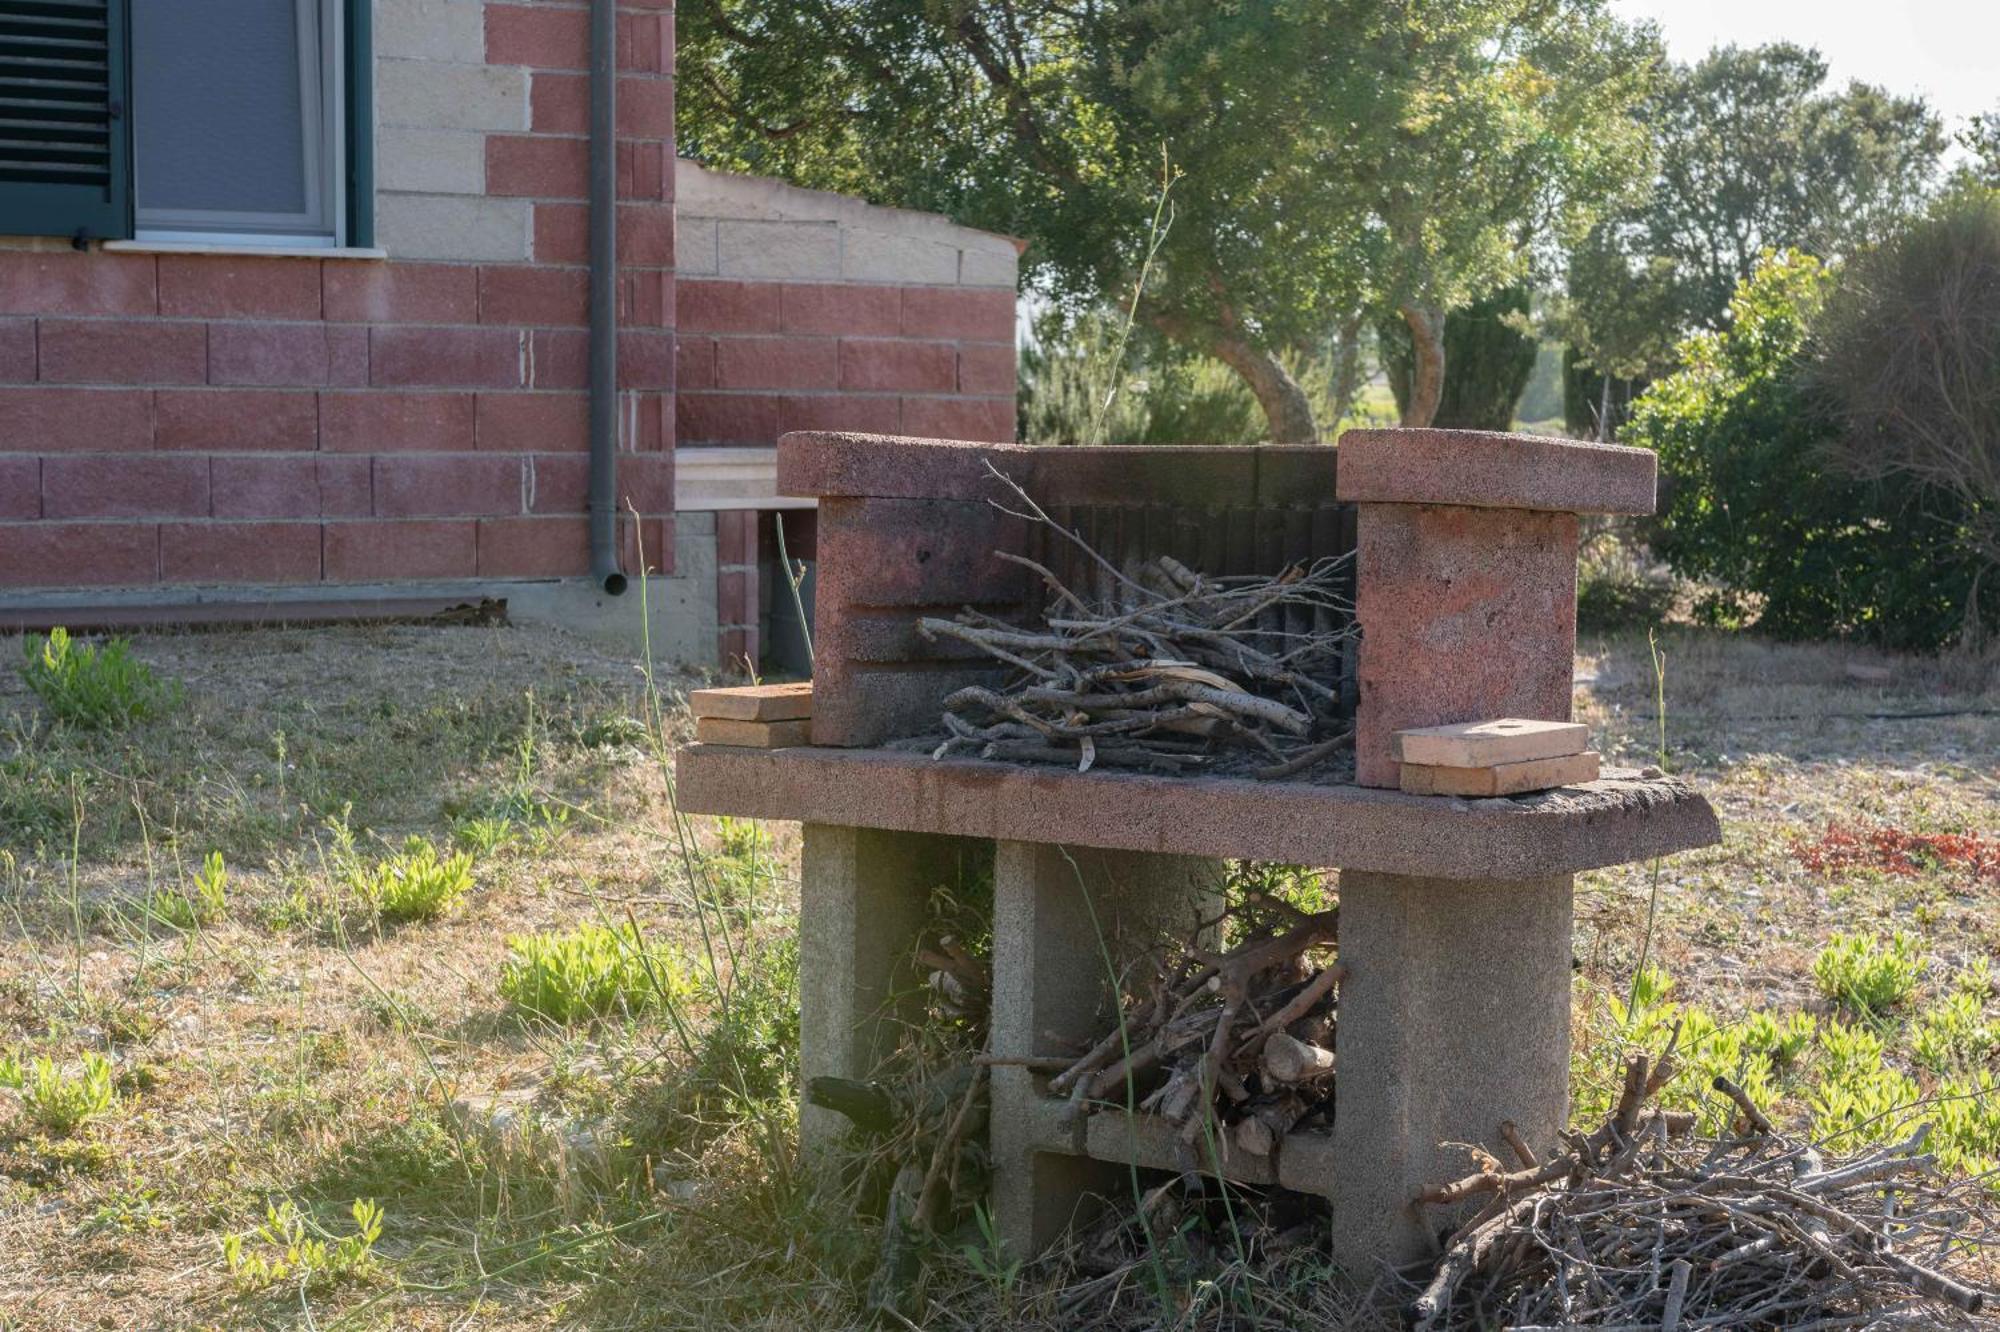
(604, 568)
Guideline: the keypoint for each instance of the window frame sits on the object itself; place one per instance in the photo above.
(323, 80)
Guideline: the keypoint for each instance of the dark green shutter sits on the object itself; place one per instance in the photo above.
(360, 63)
(65, 157)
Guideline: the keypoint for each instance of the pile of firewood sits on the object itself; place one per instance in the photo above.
(1637, 1225)
(1177, 671)
(1233, 1048)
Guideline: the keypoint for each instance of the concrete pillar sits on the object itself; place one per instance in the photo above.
(1063, 920)
(1454, 1016)
(862, 895)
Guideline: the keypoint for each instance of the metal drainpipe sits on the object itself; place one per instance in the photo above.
(604, 297)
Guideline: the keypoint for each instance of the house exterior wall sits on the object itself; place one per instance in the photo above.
(803, 310)
(193, 418)
(175, 423)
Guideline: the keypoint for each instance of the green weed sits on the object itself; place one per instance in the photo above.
(416, 883)
(1867, 976)
(590, 971)
(289, 1249)
(204, 901)
(57, 1101)
(90, 687)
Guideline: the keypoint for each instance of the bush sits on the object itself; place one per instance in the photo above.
(415, 884)
(90, 687)
(1907, 352)
(1752, 505)
(587, 972)
(202, 902)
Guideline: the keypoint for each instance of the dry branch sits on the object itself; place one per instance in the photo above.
(1176, 672)
(1630, 1229)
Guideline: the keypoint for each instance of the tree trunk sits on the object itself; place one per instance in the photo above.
(1285, 404)
(1346, 379)
(1427, 371)
(1604, 408)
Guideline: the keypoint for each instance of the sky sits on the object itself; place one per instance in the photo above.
(1948, 50)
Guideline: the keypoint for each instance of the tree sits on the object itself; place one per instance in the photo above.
(1908, 354)
(1752, 507)
(1981, 139)
(1754, 154)
(1490, 356)
(1330, 151)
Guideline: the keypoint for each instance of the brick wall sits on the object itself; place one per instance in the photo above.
(800, 310)
(195, 418)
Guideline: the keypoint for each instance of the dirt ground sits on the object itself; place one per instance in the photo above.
(295, 1047)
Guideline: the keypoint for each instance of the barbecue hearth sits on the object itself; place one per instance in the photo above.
(1454, 926)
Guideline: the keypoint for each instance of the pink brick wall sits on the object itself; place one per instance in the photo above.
(759, 358)
(176, 418)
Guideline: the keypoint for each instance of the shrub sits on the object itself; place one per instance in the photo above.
(587, 972)
(416, 883)
(1907, 352)
(91, 687)
(57, 1101)
(1614, 588)
(1751, 504)
(1866, 975)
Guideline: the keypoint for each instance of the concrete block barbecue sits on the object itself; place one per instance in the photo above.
(1454, 927)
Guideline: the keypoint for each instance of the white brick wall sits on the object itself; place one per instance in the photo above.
(445, 226)
(436, 94)
(431, 30)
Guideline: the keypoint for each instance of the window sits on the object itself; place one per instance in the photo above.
(207, 121)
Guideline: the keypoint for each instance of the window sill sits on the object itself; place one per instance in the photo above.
(251, 251)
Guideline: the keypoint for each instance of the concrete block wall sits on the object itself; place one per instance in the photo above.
(802, 310)
(186, 418)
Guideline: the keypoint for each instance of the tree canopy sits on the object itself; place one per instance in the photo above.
(1331, 154)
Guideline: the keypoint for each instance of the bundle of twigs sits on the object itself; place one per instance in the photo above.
(1233, 1048)
(1637, 1226)
(1176, 669)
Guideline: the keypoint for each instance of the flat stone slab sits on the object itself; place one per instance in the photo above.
(1486, 469)
(1621, 817)
(838, 463)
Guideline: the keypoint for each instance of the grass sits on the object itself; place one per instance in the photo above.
(630, 1164)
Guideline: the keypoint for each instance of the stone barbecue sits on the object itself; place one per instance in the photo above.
(1454, 925)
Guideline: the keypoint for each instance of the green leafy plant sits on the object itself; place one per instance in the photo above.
(57, 1101)
(484, 834)
(288, 1248)
(587, 972)
(1953, 1033)
(92, 687)
(416, 883)
(203, 901)
(1868, 976)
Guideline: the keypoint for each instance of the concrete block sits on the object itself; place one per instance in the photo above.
(982, 265)
(431, 30)
(875, 256)
(1063, 922)
(1480, 743)
(430, 161)
(1454, 1016)
(749, 249)
(1500, 779)
(862, 896)
(427, 94)
(449, 226)
(696, 244)
(1465, 613)
(1488, 469)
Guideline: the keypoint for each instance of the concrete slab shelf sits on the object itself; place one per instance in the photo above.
(1619, 818)
(1303, 1161)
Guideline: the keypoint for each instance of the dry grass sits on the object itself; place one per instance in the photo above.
(295, 1049)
